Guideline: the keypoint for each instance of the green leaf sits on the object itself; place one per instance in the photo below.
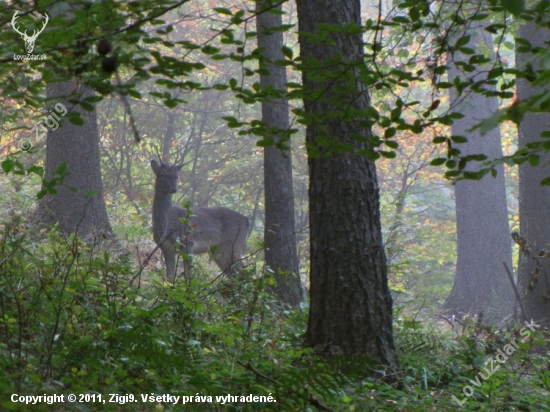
(94, 99)
(514, 7)
(441, 69)
(61, 168)
(438, 161)
(8, 165)
(36, 170)
(134, 93)
(388, 155)
(232, 122)
(439, 139)
(489, 124)
(210, 49)
(223, 10)
(287, 51)
(545, 181)
(414, 13)
(463, 41)
(395, 113)
(450, 164)
(467, 50)
(87, 106)
(401, 19)
(534, 159)
(265, 142)
(75, 118)
(389, 133)
(444, 85)
(481, 16)
(459, 139)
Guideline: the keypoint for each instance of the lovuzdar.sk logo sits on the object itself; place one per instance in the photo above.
(29, 40)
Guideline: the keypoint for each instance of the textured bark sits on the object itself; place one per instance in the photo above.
(534, 271)
(350, 302)
(78, 146)
(483, 233)
(280, 232)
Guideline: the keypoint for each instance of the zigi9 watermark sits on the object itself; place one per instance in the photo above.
(52, 122)
(503, 356)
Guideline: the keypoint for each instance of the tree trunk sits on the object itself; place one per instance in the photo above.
(280, 232)
(534, 213)
(483, 234)
(350, 302)
(74, 207)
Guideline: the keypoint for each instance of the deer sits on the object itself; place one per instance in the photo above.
(218, 231)
(29, 40)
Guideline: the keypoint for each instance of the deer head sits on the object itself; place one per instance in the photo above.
(29, 40)
(167, 176)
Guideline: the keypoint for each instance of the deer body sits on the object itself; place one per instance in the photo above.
(219, 231)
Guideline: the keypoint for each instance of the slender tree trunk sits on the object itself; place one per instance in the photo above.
(534, 199)
(280, 231)
(350, 302)
(169, 136)
(483, 234)
(79, 206)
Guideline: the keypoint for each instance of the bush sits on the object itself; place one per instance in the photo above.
(72, 322)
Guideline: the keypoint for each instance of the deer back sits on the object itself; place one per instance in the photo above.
(216, 226)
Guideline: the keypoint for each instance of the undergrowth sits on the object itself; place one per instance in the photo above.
(72, 322)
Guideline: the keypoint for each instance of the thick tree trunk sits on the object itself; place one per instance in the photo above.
(483, 233)
(74, 208)
(534, 199)
(350, 302)
(280, 232)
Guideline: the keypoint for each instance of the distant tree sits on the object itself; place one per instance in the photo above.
(483, 235)
(280, 231)
(534, 213)
(78, 206)
(350, 302)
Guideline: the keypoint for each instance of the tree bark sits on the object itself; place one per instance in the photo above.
(280, 231)
(483, 234)
(350, 302)
(534, 213)
(74, 208)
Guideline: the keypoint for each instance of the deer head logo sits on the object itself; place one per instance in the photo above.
(29, 40)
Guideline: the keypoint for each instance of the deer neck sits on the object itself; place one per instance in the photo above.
(162, 204)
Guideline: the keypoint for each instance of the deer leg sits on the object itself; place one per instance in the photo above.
(170, 259)
(237, 257)
(227, 260)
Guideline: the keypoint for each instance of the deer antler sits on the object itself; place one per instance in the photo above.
(44, 23)
(15, 16)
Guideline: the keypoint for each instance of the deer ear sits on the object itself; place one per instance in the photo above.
(178, 167)
(154, 165)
